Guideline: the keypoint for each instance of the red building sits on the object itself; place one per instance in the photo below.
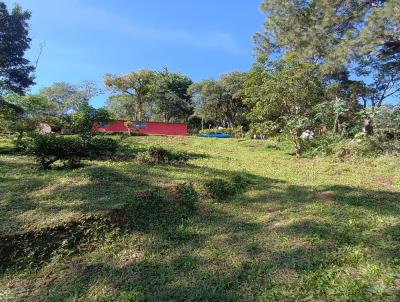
(150, 128)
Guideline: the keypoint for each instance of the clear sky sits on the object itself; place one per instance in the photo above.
(84, 39)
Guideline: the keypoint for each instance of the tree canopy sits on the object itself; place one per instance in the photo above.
(284, 95)
(16, 72)
(359, 34)
(221, 101)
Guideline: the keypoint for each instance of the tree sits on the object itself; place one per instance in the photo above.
(283, 95)
(172, 100)
(85, 116)
(36, 107)
(207, 95)
(122, 107)
(233, 95)
(221, 101)
(335, 34)
(66, 98)
(138, 86)
(15, 71)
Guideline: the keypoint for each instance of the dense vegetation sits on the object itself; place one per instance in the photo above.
(309, 212)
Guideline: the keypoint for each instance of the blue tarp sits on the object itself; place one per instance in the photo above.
(216, 135)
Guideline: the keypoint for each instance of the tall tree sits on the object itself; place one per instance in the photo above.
(15, 70)
(139, 86)
(334, 34)
(122, 107)
(221, 101)
(284, 95)
(172, 100)
(66, 97)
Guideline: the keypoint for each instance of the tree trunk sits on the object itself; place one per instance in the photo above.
(297, 144)
(336, 127)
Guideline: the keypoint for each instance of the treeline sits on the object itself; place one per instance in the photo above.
(326, 68)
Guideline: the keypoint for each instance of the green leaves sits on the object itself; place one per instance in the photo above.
(15, 71)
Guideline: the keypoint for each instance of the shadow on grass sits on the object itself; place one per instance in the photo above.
(188, 257)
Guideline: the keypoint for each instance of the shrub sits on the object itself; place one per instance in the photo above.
(51, 148)
(240, 182)
(186, 196)
(102, 147)
(221, 189)
(358, 147)
(322, 145)
(158, 155)
(69, 149)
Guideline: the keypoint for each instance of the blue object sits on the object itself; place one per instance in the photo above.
(216, 135)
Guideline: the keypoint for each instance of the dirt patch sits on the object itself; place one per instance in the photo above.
(326, 196)
(385, 181)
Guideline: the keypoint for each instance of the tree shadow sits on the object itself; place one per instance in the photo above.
(187, 257)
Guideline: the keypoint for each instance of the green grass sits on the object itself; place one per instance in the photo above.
(269, 242)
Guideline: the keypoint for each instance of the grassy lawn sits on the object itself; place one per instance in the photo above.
(278, 240)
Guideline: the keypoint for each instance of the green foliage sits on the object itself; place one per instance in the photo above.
(186, 196)
(283, 95)
(15, 71)
(100, 147)
(386, 123)
(51, 148)
(134, 90)
(171, 94)
(221, 189)
(83, 119)
(359, 35)
(65, 98)
(159, 155)
(70, 149)
(221, 102)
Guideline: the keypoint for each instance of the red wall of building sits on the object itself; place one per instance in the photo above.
(144, 128)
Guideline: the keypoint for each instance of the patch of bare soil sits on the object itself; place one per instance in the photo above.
(325, 196)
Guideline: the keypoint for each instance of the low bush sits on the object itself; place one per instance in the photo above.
(359, 146)
(50, 148)
(70, 149)
(322, 145)
(159, 155)
(186, 196)
(221, 189)
(100, 147)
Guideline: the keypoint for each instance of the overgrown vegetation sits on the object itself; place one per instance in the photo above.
(159, 155)
(50, 148)
(221, 189)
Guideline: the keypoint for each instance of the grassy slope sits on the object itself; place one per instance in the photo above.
(268, 244)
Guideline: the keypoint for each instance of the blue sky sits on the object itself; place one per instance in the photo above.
(84, 39)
